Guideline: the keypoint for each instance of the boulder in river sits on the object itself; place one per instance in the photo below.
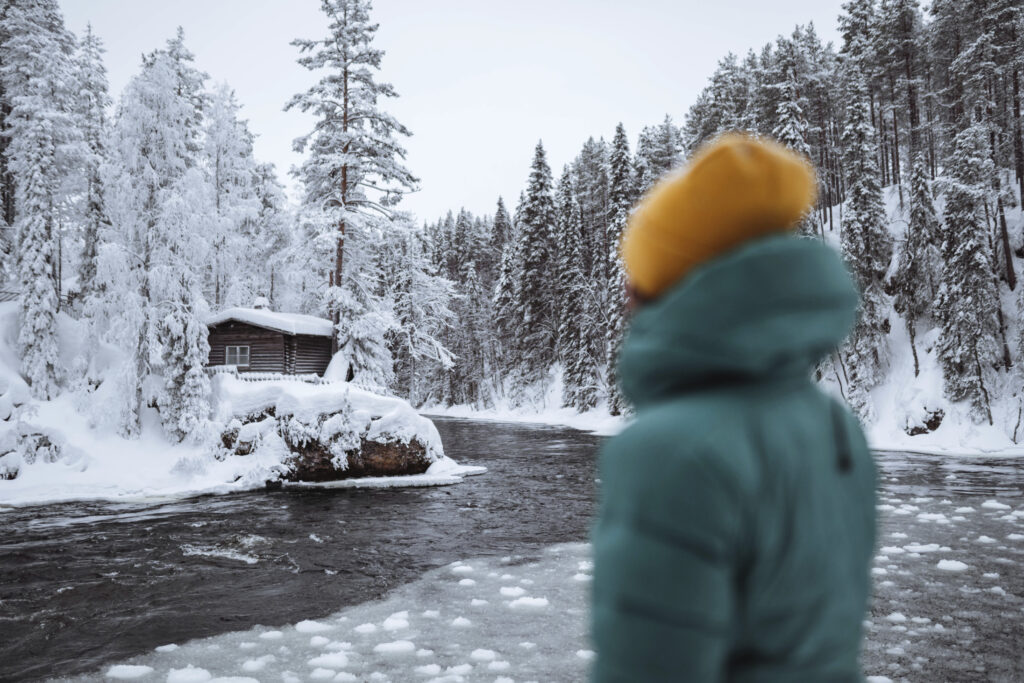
(324, 432)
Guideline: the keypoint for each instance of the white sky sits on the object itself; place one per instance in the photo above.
(479, 81)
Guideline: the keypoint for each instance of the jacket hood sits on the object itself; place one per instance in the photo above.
(766, 311)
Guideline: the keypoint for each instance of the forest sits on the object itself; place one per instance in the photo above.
(143, 214)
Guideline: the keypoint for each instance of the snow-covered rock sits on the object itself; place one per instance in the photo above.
(324, 432)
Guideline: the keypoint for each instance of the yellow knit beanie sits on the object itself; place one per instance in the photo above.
(734, 190)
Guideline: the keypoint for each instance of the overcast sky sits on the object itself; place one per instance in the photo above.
(480, 82)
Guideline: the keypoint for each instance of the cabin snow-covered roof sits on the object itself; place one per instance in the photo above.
(289, 323)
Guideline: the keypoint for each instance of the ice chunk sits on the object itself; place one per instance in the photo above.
(171, 647)
(365, 628)
(461, 622)
(271, 635)
(399, 647)
(994, 505)
(896, 617)
(330, 660)
(258, 664)
(322, 674)
(951, 565)
(126, 672)
(585, 655)
(312, 627)
(529, 603)
(396, 621)
(428, 669)
(189, 674)
(467, 582)
(483, 655)
(512, 591)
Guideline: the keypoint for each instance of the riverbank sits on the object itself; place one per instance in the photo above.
(596, 421)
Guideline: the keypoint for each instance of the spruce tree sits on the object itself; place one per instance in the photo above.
(501, 231)
(38, 75)
(538, 325)
(92, 120)
(791, 127)
(579, 371)
(867, 248)
(228, 150)
(157, 200)
(968, 347)
(916, 281)
(622, 196)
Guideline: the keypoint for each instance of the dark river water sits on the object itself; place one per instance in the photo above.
(84, 584)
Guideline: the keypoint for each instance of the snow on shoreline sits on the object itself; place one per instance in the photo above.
(97, 464)
(881, 437)
(596, 421)
(493, 619)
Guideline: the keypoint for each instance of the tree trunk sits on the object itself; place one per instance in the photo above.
(912, 331)
(1018, 142)
(1004, 236)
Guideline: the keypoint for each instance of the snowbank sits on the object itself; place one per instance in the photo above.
(90, 460)
(598, 420)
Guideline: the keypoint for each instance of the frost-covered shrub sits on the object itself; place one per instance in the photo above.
(10, 465)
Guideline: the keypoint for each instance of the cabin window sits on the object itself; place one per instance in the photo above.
(237, 355)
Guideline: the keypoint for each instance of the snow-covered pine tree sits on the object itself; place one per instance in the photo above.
(273, 240)
(160, 210)
(590, 171)
(184, 402)
(352, 186)
(536, 325)
(916, 281)
(621, 198)
(867, 248)
(968, 346)
(38, 77)
(227, 147)
(501, 231)
(791, 127)
(91, 110)
(422, 306)
(579, 370)
(505, 300)
(658, 152)
(190, 85)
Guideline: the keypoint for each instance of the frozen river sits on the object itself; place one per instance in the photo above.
(85, 586)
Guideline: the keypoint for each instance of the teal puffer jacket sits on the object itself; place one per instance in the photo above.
(737, 517)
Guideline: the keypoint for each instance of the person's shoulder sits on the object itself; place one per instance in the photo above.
(677, 439)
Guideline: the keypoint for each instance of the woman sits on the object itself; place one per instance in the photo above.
(737, 518)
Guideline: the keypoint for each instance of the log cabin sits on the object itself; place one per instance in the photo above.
(260, 340)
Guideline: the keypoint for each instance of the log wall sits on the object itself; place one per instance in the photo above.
(270, 351)
(266, 347)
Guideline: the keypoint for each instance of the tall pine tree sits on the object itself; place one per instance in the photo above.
(622, 196)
